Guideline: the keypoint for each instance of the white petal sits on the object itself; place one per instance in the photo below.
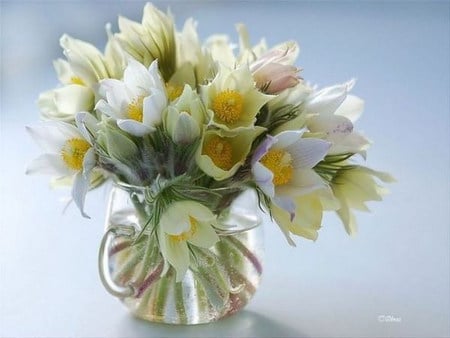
(157, 82)
(186, 129)
(51, 136)
(79, 191)
(116, 94)
(307, 152)
(263, 178)
(153, 107)
(351, 108)
(137, 78)
(49, 164)
(327, 100)
(134, 127)
(286, 138)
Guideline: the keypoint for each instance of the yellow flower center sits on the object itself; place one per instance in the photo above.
(227, 106)
(184, 236)
(73, 152)
(219, 151)
(279, 162)
(173, 91)
(77, 80)
(135, 109)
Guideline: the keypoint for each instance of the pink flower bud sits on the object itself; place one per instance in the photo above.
(275, 77)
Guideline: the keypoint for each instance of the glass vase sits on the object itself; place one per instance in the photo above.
(219, 282)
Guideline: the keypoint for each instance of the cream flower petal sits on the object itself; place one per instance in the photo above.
(282, 219)
(204, 236)
(176, 253)
(303, 182)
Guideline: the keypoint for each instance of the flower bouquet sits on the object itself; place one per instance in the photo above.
(196, 139)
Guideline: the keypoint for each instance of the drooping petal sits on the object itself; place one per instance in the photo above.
(282, 219)
(176, 253)
(79, 191)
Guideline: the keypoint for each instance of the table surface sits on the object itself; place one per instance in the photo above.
(397, 267)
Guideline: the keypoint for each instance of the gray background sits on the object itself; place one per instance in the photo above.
(398, 265)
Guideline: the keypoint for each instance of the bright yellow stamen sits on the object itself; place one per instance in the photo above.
(219, 151)
(279, 162)
(173, 91)
(73, 152)
(135, 109)
(227, 106)
(77, 80)
(184, 236)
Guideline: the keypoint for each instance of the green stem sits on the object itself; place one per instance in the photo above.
(179, 302)
(161, 294)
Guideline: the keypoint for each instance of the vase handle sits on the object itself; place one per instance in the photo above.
(113, 232)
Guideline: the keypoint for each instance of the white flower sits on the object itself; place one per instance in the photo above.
(282, 167)
(68, 154)
(138, 101)
(232, 99)
(183, 224)
(329, 114)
